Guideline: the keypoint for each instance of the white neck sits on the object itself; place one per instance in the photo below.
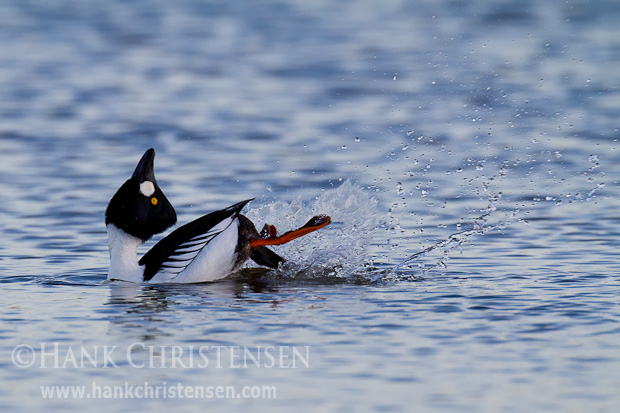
(124, 256)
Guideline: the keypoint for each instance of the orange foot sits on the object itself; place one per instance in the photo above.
(269, 234)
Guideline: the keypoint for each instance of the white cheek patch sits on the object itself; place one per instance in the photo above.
(147, 188)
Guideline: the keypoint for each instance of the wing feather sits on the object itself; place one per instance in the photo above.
(175, 252)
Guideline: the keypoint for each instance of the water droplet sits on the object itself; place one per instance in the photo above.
(594, 160)
(344, 147)
(357, 139)
(399, 189)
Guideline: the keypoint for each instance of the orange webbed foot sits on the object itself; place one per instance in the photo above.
(269, 234)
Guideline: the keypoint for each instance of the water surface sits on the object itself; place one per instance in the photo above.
(483, 134)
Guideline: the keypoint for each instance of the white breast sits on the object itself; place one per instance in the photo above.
(123, 256)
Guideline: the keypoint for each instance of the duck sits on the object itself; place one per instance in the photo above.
(209, 248)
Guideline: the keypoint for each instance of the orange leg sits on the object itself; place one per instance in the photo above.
(271, 237)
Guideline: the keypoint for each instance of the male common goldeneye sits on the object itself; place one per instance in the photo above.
(206, 249)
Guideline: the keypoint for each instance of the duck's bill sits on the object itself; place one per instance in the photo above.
(144, 170)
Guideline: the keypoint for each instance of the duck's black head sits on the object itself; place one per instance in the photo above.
(139, 207)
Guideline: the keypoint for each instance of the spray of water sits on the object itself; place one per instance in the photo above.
(334, 252)
(339, 252)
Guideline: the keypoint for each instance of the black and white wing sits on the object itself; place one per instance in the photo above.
(174, 254)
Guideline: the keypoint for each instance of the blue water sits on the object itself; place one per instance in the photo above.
(466, 151)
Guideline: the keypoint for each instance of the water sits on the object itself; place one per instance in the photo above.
(467, 152)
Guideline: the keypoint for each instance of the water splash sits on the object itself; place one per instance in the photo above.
(478, 226)
(339, 252)
(334, 252)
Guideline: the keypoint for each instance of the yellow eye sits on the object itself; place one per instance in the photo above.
(154, 201)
